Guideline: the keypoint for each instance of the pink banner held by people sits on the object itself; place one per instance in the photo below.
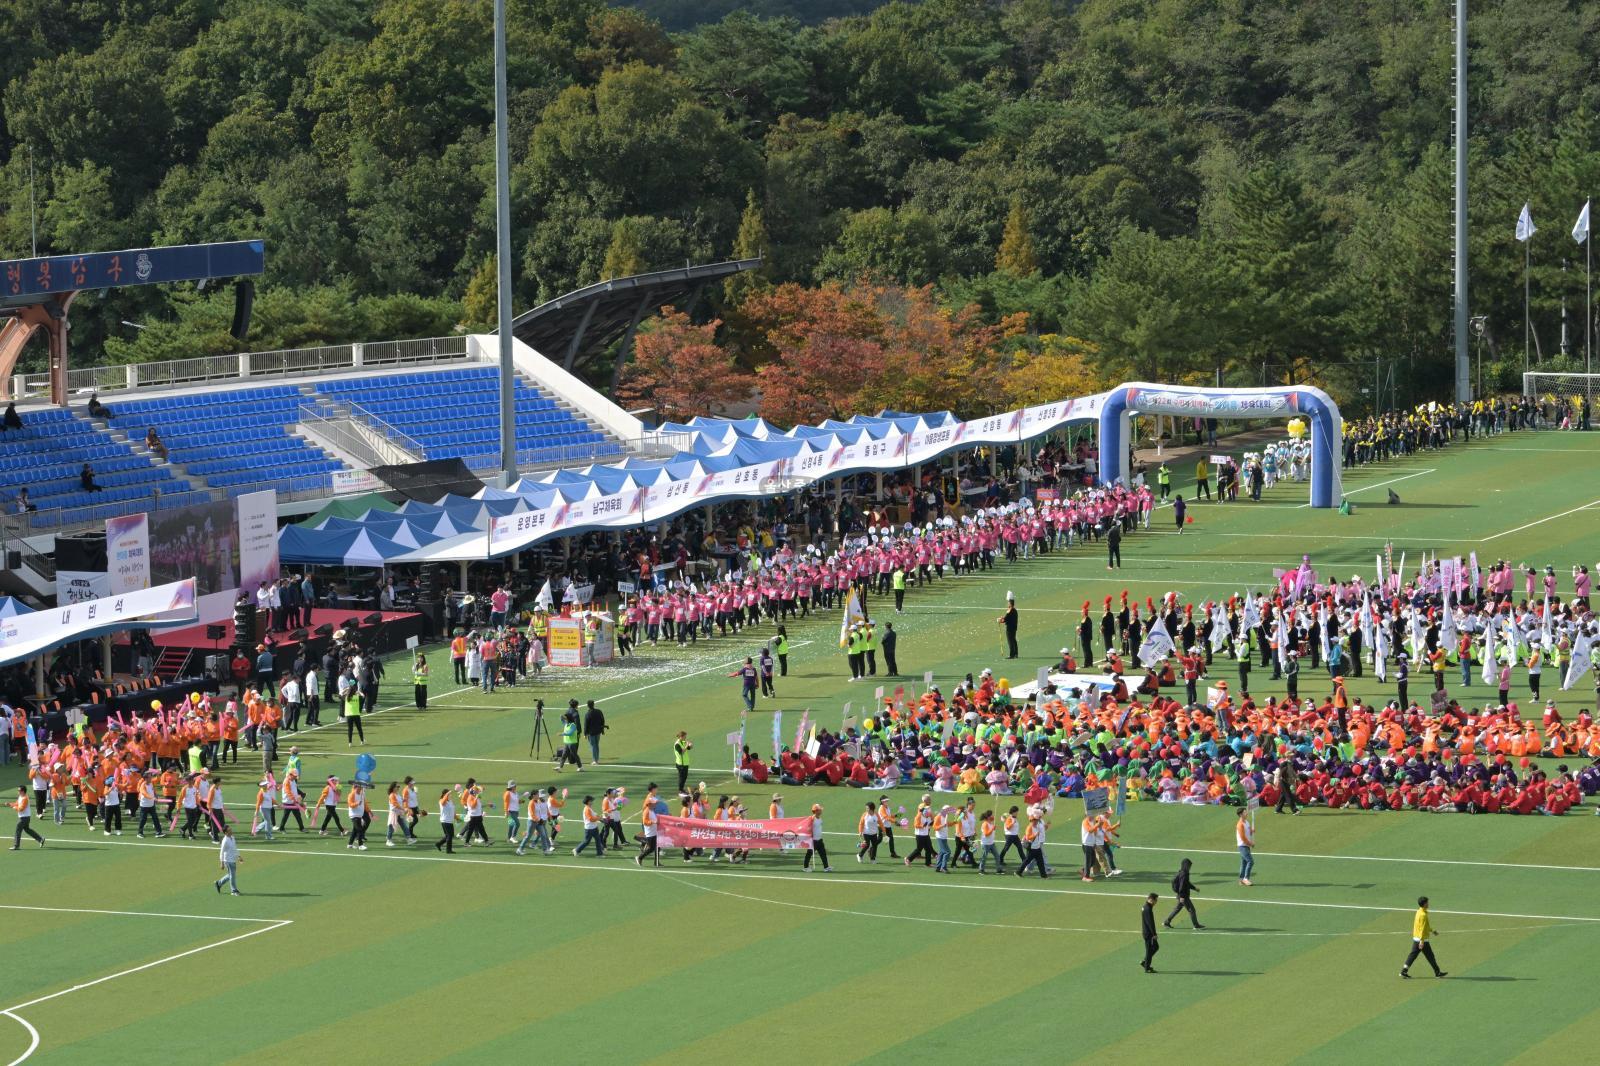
(773, 833)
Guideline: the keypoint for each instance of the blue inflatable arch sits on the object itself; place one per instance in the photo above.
(1142, 398)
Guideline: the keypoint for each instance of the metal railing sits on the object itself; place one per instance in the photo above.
(359, 434)
(328, 359)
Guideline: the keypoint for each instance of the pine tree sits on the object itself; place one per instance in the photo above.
(480, 304)
(1016, 256)
(751, 243)
(624, 256)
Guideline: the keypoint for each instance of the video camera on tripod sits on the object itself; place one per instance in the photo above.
(541, 734)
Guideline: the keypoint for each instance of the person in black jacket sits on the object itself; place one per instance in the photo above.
(1183, 888)
(594, 724)
(1114, 547)
(1147, 926)
(887, 644)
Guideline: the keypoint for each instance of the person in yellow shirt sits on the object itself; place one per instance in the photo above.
(1422, 931)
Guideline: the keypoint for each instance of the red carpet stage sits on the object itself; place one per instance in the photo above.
(381, 631)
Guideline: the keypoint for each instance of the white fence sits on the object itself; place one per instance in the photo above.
(329, 359)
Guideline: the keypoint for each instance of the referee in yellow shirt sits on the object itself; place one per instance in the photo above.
(1422, 931)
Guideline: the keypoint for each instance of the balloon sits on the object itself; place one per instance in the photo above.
(1188, 520)
(155, 705)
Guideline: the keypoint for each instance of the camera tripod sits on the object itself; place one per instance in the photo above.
(541, 733)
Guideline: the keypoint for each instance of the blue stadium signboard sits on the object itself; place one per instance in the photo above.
(22, 279)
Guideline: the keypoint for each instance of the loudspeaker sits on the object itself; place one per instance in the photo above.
(350, 623)
(244, 298)
(373, 619)
(298, 636)
(324, 630)
(216, 632)
(244, 623)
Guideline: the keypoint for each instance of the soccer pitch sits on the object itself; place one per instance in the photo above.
(117, 950)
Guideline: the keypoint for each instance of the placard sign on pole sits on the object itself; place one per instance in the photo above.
(566, 642)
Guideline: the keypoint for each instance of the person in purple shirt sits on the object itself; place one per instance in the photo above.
(748, 676)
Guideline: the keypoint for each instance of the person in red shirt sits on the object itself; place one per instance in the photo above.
(859, 776)
(1432, 798)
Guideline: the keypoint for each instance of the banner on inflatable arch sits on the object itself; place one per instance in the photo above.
(1141, 397)
(771, 834)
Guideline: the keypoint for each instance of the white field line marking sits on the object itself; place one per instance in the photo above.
(1391, 481)
(814, 879)
(134, 914)
(477, 688)
(33, 1036)
(1059, 928)
(1540, 522)
(694, 673)
(269, 925)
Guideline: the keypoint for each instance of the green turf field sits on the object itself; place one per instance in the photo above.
(410, 956)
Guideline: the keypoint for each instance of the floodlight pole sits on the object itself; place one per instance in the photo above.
(1463, 363)
(502, 196)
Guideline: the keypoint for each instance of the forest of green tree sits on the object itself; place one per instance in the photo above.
(1081, 189)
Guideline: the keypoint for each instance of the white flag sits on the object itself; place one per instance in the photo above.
(852, 614)
(544, 599)
(1280, 633)
(1525, 226)
(1580, 660)
(1380, 651)
(1490, 655)
(1219, 628)
(1322, 629)
(1580, 228)
(1157, 644)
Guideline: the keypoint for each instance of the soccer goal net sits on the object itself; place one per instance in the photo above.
(1561, 397)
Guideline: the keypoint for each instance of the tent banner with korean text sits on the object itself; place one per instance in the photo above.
(128, 553)
(26, 635)
(772, 833)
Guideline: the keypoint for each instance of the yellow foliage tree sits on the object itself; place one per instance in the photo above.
(1058, 368)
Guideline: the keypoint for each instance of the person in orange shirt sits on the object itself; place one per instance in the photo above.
(229, 727)
(24, 819)
(360, 817)
(592, 827)
(328, 800)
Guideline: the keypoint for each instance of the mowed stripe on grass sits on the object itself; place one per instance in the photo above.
(489, 957)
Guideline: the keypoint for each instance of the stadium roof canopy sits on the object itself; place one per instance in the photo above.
(585, 322)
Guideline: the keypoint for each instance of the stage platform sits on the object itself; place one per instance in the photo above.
(386, 632)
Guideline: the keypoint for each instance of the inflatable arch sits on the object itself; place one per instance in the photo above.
(1139, 397)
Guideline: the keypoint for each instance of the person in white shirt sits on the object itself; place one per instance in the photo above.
(447, 823)
(290, 693)
(313, 698)
(229, 858)
(817, 845)
(538, 824)
(1092, 838)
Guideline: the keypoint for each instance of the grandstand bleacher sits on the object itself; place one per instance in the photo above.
(455, 414)
(236, 439)
(47, 455)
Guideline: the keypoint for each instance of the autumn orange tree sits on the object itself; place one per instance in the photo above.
(680, 370)
(838, 350)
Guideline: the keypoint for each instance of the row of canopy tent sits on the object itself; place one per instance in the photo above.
(727, 459)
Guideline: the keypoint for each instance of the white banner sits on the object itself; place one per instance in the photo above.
(26, 635)
(258, 539)
(817, 458)
(79, 586)
(347, 482)
(128, 553)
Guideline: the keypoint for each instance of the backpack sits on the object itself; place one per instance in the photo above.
(1177, 883)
